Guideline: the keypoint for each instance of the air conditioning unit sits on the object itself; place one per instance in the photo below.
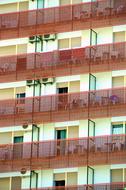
(47, 81)
(34, 39)
(25, 126)
(32, 82)
(48, 37)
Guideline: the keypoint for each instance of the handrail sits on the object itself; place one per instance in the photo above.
(62, 19)
(63, 107)
(100, 150)
(99, 58)
(100, 186)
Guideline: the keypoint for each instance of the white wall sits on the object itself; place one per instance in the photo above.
(84, 82)
(102, 174)
(83, 128)
(47, 178)
(10, 1)
(104, 35)
(82, 175)
(102, 126)
(103, 80)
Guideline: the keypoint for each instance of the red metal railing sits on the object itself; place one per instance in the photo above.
(99, 150)
(62, 19)
(99, 58)
(63, 107)
(104, 186)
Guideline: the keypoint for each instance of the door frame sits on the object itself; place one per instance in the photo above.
(94, 77)
(34, 126)
(31, 174)
(92, 169)
(89, 120)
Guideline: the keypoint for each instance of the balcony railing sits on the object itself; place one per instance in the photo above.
(99, 150)
(104, 186)
(62, 19)
(63, 107)
(99, 58)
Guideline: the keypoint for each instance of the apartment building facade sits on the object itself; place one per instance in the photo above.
(63, 94)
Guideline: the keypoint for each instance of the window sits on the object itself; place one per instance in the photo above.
(118, 81)
(117, 129)
(75, 42)
(117, 175)
(76, 1)
(67, 2)
(119, 36)
(72, 178)
(18, 139)
(69, 178)
(69, 43)
(73, 131)
(62, 90)
(20, 95)
(63, 43)
(61, 134)
(74, 86)
(59, 179)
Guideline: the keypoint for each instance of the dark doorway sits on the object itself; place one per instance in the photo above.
(60, 183)
(18, 147)
(62, 90)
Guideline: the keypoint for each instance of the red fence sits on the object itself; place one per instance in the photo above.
(99, 58)
(100, 150)
(62, 19)
(104, 186)
(63, 107)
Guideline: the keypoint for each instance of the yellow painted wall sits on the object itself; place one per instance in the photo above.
(6, 93)
(7, 50)
(6, 8)
(4, 183)
(5, 138)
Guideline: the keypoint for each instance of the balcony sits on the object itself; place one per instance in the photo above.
(63, 107)
(104, 186)
(62, 19)
(99, 150)
(99, 58)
